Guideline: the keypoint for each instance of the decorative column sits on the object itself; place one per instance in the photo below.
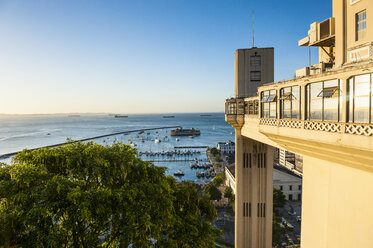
(254, 192)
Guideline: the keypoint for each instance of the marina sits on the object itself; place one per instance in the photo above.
(139, 131)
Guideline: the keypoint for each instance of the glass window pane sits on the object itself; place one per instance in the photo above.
(266, 110)
(272, 110)
(350, 99)
(316, 102)
(361, 96)
(287, 109)
(295, 102)
(331, 104)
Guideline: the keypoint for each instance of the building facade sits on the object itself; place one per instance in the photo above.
(227, 147)
(253, 68)
(325, 115)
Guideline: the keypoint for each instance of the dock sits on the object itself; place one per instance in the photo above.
(87, 139)
(185, 147)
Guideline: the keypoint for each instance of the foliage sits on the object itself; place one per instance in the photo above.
(214, 151)
(218, 159)
(234, 205)
(277, 231)
(212, 192)
(278, 199)
(228, 193)
(89, 195)
(219, 179)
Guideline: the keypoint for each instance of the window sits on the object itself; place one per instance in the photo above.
(255, 61)
(361, 25)
(324, 101)
(281, 187)
(299, 187)
(290, 102)
(255, 76)
(252, 107)
(269, 104)
(290, 187)
(299, 197)
(232, 108)
(360, 98)
(290, 197)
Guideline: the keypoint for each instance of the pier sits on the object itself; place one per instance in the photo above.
(185, 147)
(91, 138)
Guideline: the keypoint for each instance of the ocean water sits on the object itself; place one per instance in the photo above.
(20, 132)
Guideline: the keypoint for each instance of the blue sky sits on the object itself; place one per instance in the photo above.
(140, 56)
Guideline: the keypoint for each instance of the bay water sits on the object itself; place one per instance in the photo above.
(32, 131)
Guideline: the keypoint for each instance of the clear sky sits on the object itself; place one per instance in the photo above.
(140, 56)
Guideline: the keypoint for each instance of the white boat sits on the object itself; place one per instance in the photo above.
(177, 139)
(179, 173)
(157, 141)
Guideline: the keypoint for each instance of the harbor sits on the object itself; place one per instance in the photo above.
(150, 135)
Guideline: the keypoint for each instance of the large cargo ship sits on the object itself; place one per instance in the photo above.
(185, 132)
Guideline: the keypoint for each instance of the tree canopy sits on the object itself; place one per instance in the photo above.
(89, 195)
(278, 199)
(219, 179)
(212, 192)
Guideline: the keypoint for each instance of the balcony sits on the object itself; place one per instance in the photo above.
(329, 115)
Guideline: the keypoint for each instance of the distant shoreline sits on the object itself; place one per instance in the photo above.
(95, 114)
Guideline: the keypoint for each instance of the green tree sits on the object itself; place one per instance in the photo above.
(228, 193)
(219, 179)
(89, 195)
(277, 231)
(212, 192)
(214, 151)
(278, 199)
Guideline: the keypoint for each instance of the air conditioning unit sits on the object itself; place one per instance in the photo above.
(326, 28)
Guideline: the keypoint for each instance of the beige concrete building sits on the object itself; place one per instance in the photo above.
(325, 115)
(290, 184)
(253, 68)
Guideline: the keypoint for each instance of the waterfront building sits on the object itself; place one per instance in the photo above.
(226, 147)
(324, 114)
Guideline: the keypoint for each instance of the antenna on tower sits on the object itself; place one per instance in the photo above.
(253, 26)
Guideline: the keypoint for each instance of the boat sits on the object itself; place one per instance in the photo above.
(121, 116)
(178, 173)
(185, 132)
(157, 141)
(168, 116)
(177, 139)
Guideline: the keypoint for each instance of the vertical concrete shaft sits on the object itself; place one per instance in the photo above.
(254, 186)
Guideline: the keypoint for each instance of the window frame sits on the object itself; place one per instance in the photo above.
(351, 99)
(360, 34)
(254, 61)
(282, 99)
(268, 97)
(252, 73)
(308, 100)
